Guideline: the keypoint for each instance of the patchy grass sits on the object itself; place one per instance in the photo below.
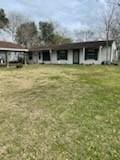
(52, 112)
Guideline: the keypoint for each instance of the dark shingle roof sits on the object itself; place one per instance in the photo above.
(92, 44)
(10, 45)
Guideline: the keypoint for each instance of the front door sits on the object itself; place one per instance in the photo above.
(76, 56)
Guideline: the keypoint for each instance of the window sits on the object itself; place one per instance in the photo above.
(39, 55)
(62, 55)
(46, 56)
(30, 56)
(91, 54)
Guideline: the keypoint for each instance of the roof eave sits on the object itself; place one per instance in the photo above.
(14, 49)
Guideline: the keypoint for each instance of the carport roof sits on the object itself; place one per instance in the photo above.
(9, 46)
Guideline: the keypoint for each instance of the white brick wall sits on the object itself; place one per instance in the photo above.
(101, 57)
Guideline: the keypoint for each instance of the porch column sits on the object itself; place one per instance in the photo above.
(42, 57)
(83, 55)
(50, 50)
(100, 53)
(25, 58)
(7, 60)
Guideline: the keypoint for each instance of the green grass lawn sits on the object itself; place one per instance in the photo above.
(52, 112)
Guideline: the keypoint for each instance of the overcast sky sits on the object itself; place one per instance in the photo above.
(72, 14)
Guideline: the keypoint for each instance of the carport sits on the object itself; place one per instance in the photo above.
(11, 52)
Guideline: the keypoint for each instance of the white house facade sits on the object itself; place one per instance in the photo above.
(95, 52)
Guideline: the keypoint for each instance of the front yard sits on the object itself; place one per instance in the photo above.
(52, 112)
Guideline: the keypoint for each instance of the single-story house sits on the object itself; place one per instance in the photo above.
(11, 52)
(94, 52)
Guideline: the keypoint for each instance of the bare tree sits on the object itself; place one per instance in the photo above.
(27, 34)
(15, 20)
(108, 19)
(115, 29)
(84, 35)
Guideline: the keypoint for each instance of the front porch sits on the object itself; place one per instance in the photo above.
(65, 56)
